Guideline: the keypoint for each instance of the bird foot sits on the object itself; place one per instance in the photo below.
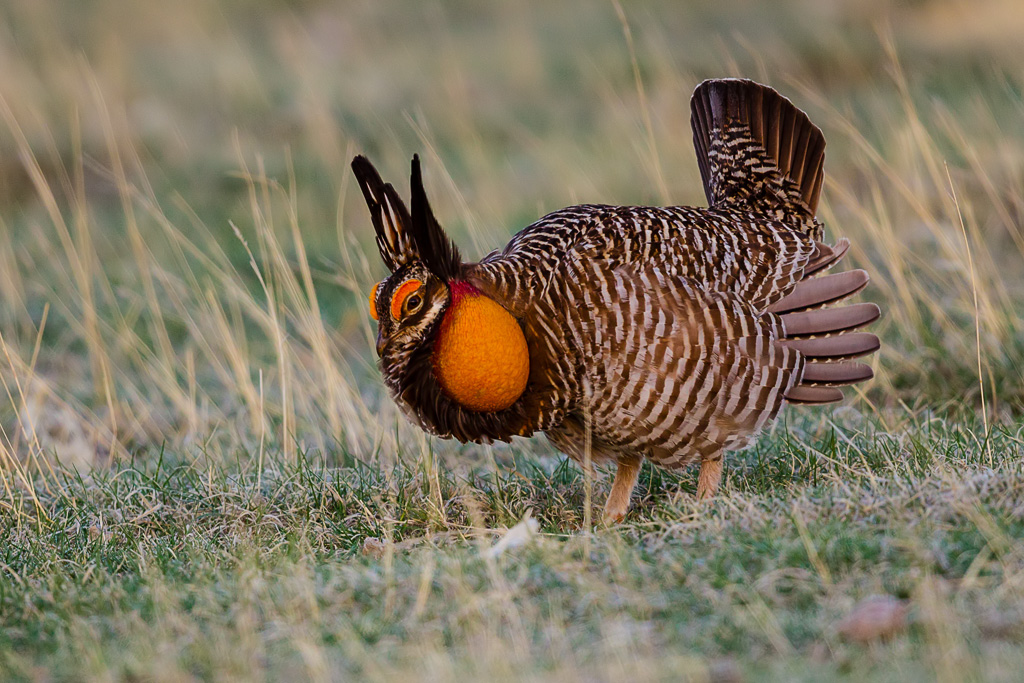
(614, 514)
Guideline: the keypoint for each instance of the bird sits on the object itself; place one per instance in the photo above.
(628, 333)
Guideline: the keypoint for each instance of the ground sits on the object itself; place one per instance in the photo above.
(202, 477)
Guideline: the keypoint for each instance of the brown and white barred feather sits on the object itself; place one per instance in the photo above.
(689, 328)
(755, 149)
(672, 333)
(671, 371)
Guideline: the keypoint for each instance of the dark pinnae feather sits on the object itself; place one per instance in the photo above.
(391, 220)
(438, 252)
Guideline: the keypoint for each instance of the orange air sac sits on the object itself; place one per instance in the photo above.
(480, 357)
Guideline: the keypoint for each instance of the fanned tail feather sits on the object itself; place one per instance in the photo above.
(829, 321)
(757, 151)
(808, 395)
(840, 347)
(826, 256)
(818, 292)
(824, 334)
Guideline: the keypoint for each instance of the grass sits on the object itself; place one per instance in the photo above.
(195, 443)
(177, 568)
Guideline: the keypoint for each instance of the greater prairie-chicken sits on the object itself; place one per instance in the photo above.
(670, 333)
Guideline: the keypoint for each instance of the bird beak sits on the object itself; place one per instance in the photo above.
(381, 343)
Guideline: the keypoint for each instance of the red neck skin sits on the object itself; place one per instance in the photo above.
(460, 289)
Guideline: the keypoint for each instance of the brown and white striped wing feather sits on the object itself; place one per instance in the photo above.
(754, 258)
(676, 371)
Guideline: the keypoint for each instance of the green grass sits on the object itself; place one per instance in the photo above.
(180, 567)
(195, 443)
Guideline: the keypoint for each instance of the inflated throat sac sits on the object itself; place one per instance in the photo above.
(481, 359)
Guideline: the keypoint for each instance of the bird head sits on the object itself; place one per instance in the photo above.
(408, 307)
(445, 347)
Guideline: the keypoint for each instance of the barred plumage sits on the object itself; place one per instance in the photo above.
(670, 333)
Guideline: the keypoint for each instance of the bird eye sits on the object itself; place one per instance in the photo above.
(402, 295)
(412, 304)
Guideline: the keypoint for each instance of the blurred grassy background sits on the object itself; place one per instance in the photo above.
(184, 260)
(182, 243)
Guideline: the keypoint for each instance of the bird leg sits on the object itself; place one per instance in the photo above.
(710, 476)
(618, 500)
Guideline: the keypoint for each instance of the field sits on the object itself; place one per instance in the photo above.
(201, 476)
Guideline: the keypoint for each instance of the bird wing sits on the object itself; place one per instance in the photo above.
(751, 256)
(674, 369)
(757, 259)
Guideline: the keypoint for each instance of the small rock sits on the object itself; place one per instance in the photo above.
(874, 618)
(373, 547)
